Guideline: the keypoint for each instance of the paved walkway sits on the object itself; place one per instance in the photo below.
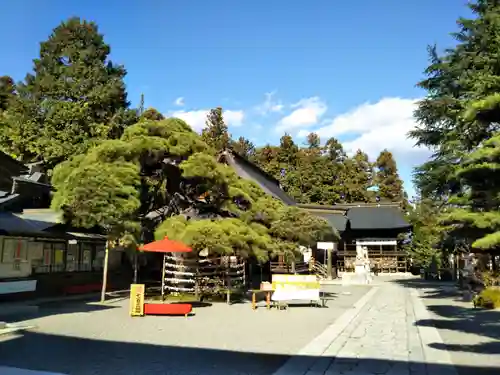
(368, 331)
(378, 336)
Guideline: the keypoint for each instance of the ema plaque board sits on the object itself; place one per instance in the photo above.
(137, 299)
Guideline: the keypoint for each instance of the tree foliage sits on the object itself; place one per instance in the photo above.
(7, 92)
(216, 132)
(390, 185)
(74, 97)
(459, 119)
(324, 174)
(158, 164)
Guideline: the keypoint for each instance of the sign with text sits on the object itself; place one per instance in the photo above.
(325, 245)
(137, 299)
(295, 282)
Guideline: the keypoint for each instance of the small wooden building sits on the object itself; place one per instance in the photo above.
(39, 255)
(375, 226)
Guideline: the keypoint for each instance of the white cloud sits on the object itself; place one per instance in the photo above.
(375, 126)
(269, 105)
(196, 119)
(179, 101)
(307, 112)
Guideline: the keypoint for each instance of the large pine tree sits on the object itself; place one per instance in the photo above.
(244, 147)
(459, 119)
(6, 92)
(74, 97)
(216, 132)
(459, 77)
(390, 185)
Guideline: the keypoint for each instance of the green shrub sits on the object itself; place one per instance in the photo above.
(491, 278)
(489, 298)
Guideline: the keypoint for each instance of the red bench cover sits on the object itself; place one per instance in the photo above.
(167, 308)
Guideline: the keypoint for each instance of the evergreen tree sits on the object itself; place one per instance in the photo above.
(7, 90)
(460, 119)
(473, 215)
(152, 114)
(287, 152)
(313, 141)
(359, 172)
(466, 73)
(74, 97)
(244, 147)
(390, 185)
(335, 151)
(216, 132)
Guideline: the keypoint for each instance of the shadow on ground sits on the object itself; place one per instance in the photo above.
(453, 314)
(26, 312)
(76, 356)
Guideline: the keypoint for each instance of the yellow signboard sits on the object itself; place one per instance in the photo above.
(137, 299)
(294, 282)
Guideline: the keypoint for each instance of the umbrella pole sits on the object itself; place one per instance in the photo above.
(135, 265)
(163, 278)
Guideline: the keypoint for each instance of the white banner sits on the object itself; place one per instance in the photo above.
(9, 287)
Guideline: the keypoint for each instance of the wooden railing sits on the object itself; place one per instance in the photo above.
(319, 270)
(297, 268)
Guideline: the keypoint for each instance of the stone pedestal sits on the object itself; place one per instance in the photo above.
(362, 274)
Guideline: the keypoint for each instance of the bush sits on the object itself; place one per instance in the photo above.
(446, 274)
(489, 298)
(491, 278)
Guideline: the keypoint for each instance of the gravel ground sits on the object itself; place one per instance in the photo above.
(83, 339)
(471, 336)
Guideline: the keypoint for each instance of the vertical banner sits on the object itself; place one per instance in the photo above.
(137, 299)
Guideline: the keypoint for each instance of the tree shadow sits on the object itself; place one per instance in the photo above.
(79, 356)
(431, 289)
(21, 313)
(490, 348)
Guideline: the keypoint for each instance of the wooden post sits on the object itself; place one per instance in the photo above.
(135, 265)
(163, 278)
(329, 264)
(105, 272)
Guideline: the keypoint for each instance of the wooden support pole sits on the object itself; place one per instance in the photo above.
(163, 277)
(105, 273)
(329, 272)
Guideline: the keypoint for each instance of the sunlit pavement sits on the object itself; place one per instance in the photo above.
(365, 330)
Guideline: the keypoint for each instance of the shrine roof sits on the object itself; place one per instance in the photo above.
(378, 217)
(248, 170)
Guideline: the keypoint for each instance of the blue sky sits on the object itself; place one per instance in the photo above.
(344, 69)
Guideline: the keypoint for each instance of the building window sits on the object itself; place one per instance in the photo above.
(53, 258)
(35, 253)
(86, 264)
(72, 258)
(14, 249)
(98, 261)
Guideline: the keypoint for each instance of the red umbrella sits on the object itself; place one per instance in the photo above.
(166, 246)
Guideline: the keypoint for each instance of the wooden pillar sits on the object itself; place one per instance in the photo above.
(163, 278)
(329, 267)
(105, 273)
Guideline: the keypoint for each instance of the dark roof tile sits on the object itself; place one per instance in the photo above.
(248, 170)
(337, 221)
(382, 217)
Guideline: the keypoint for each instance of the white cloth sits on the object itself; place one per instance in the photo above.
(296, 295)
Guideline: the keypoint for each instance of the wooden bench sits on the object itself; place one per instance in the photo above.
(288, 288)
(168, 309)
